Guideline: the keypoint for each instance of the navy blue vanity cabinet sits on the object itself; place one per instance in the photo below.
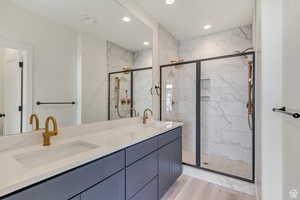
(73, 182)
(139, 174)
(112, 188)
(150, 192)
(143, 171)
(170, 160)
(76, 198)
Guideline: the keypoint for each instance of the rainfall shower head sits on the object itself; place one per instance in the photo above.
(246, 50)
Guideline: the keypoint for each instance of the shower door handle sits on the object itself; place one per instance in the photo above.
(2, 115)
(283, 110)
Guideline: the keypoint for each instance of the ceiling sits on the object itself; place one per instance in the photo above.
(107, 14)
(186, 18)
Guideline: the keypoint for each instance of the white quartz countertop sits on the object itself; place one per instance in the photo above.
(22, 157)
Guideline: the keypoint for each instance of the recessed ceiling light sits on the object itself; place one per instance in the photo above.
(146, 43)
(126, 19)
(206, 27)
(170, 2)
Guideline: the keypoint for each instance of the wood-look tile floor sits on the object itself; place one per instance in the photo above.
(188, 188)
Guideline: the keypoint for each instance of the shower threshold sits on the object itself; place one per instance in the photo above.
(221, 164)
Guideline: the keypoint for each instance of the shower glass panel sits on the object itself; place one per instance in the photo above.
(227, 110)
(142, 98)
(120, 95)
(178, 103)
(129, 93)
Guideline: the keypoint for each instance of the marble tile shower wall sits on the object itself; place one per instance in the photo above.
(218, 44)
(224, 93)
(179, 85)
(224, 113)
(118, 57)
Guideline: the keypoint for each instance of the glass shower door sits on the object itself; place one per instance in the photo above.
(227, 111)
(178, 103)
(120, 95)
(142, 98)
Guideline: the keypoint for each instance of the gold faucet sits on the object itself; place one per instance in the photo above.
(145, 116)
(37, 121)
(47, 134)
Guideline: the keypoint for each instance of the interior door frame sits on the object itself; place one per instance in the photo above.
(27, 78)
(198, 109)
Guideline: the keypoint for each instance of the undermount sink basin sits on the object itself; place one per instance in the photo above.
(53, 153)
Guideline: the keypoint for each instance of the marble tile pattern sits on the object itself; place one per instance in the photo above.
(217, 44)
(224, 111)
(224, 95)
(107, 137)
(143, 58)
(142, 80)
(142, 98)
(179, 97)
(118, 57)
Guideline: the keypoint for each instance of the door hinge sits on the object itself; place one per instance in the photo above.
(20, 108)
(21, 64)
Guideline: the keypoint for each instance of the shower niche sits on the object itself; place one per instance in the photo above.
(214, 97)
(129, 93)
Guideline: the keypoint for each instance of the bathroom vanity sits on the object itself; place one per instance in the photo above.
(133, 162)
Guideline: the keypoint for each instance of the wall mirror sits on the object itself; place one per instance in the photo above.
(79, 61)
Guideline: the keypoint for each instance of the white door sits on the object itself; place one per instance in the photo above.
(291, 98)
(12, 92)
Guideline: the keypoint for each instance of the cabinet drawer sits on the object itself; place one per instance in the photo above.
(140, 150)
(141, 173)
(169, 137)
(149, 192)
(112, 188)
(73, 182)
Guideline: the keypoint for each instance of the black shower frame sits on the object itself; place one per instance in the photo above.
(131, 71)
(198, 110)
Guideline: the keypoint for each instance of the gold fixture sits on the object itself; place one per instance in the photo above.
(37, 121)
(145, 116)
(126, 69)
(47, 134)
(176, 60)
(250, 88)
(117, 80)
(250, 103)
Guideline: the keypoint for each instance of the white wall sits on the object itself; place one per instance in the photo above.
(1, 88)
(94, 79)
(271, 96)
(54, 64)
(143, 58)
(291, 96)
(257, 46)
